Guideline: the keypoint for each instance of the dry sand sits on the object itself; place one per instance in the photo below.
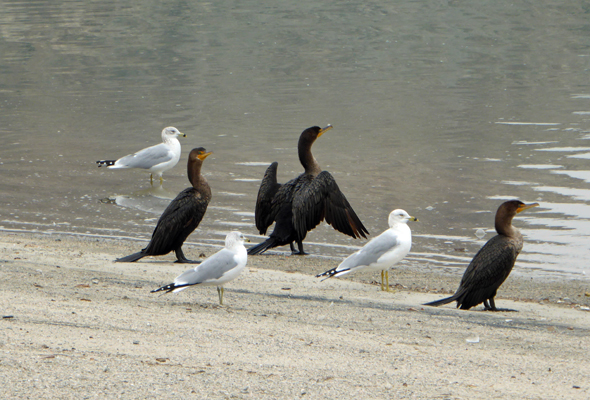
(76, 326)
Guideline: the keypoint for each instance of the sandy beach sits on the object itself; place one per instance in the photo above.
(75, 325)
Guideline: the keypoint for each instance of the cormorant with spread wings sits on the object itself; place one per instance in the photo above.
(301, 204)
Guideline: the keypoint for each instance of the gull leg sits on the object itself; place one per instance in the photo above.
(220, 293)
(161, 180)
(387, 280)
(382, 276)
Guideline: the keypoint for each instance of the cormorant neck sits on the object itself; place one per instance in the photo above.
(307, 159)
(194, 173)
(504, 226)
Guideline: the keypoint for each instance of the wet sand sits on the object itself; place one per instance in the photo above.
(76, 325)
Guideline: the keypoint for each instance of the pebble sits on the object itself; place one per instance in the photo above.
(474, 339)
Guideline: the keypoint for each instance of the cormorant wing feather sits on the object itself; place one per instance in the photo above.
(281, 202)
(183, 213)
(269, 187)
(321, 198)
(490, 267)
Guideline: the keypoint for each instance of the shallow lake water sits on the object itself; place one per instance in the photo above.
(444, 109)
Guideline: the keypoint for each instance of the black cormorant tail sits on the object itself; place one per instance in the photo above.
(443, 301)
(261, 247)
(132, 258)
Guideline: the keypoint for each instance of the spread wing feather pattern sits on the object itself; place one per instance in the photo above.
(269, 187)
(320, 198)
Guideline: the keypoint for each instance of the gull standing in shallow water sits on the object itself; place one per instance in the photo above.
(220, 268)
(382, 252)
(182, 216)
(156, 159)
(493, 262)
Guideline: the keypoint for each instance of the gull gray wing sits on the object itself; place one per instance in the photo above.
(372, 251)
(211, 269)
(147, 158)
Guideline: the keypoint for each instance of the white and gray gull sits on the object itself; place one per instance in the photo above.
(381, 252)
(156, 159)
(220, 268)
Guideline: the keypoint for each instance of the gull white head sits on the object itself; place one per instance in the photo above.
(400, 216)
(234, 239)
(171, 132)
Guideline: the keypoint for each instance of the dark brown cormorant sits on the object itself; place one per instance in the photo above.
(493, 262)
(182, 216)
(301, 204)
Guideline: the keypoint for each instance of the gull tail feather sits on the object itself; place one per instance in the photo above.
(105, 163)
(172, 287)
(333, 272)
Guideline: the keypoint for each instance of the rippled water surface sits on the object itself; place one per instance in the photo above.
(444, 109)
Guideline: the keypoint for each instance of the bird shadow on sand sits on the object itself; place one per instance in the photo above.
(475, 317)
